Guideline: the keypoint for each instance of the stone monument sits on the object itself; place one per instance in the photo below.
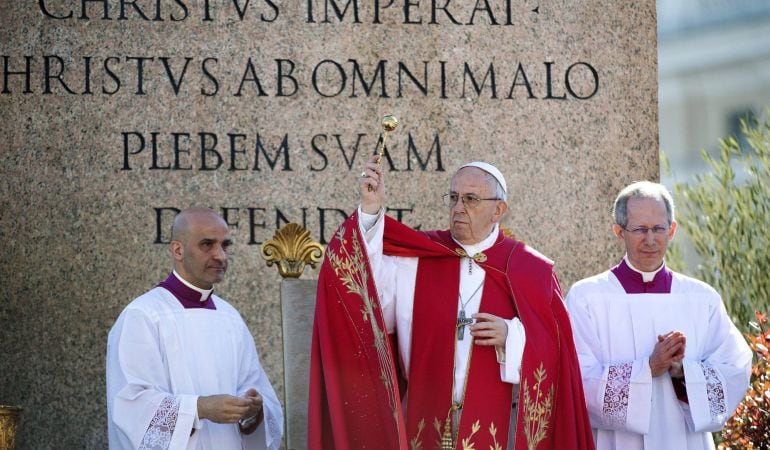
(115, 114)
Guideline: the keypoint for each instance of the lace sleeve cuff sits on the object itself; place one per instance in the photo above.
(627, 401)
(616, 394)
(162, 425)
(707, 396)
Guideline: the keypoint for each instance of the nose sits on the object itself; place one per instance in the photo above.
(220, 254)
(649, 237)
(459, 206)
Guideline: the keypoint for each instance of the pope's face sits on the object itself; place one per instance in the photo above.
(646, 250)
(204, 256)
(470, 225)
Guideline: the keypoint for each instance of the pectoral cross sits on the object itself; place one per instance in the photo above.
(462, 321)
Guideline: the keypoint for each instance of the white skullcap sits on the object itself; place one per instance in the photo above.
(490, 169)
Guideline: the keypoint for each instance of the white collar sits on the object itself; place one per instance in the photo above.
(204, 292)
(472, 249)
(646, 276)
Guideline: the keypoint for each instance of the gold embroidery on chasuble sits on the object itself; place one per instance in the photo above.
(350, 267)
(538, 407)
(416, 442)
(446, 442)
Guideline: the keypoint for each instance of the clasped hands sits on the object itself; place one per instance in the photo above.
(224, 408)
(668, 355)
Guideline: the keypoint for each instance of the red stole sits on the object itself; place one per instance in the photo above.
(488, 400)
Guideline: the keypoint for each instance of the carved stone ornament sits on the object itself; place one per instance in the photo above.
(291, 248)
(9, 423)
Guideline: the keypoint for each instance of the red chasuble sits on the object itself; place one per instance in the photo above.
(349, 373)
(353, 400)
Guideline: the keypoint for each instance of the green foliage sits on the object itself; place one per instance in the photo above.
(727, 220)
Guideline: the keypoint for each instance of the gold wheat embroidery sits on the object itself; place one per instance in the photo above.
(437, 426)
(416, 443)
(467, 442)
(537, 409)
(493, 433)
(350, 268)
(444, 443)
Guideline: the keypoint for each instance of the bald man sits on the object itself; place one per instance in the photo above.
(182, 368)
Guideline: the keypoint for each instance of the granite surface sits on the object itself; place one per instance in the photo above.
(297, 307)
(112, 115)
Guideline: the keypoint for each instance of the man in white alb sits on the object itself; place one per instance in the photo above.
(182, 368)
(662, 363)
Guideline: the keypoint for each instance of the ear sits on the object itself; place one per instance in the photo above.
(177, 250)
(500, 208)
(672, 230)
(617, 230)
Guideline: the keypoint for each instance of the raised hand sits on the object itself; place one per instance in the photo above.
(371, 186)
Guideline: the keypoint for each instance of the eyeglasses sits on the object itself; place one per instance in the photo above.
(469, 201)
(642, 231)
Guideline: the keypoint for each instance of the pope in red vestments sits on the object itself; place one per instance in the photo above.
(404, 374)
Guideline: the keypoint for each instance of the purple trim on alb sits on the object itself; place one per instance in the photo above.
(189, 298)
(633, 283)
